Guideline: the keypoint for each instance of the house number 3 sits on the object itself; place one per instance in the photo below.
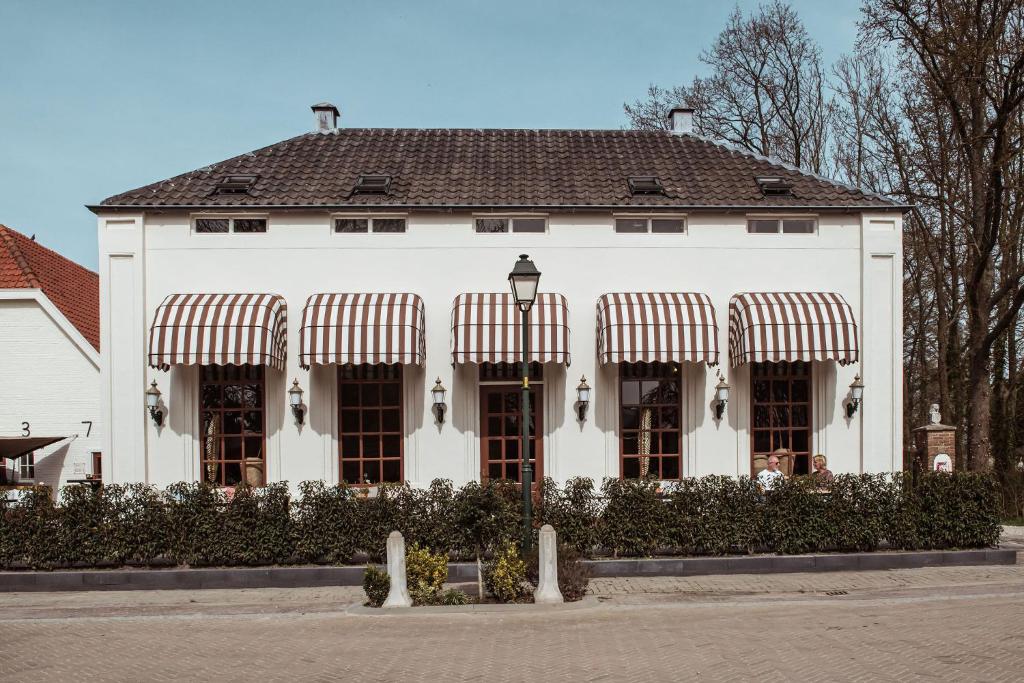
(25, 431)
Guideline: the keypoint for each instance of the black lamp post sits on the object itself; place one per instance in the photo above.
(524, 279)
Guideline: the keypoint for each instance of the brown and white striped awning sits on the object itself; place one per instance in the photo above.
(486, 329)
(788, 326)
(219, 329)
(362, 328)
(656, 326)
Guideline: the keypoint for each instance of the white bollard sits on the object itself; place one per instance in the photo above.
(547, 569)
(398, 596)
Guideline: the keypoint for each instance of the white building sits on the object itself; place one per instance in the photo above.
(378, 259)
(50, 429)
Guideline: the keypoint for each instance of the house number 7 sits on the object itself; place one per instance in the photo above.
(25, 431)
(88, 430)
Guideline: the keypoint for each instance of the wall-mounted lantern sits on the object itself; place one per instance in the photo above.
(295, 401)
(721, 396)
(153, 403)
(856, 394)
(583, 397)
(437, 393)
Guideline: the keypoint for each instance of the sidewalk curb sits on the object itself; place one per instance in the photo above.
(464, 572)
(486, 608)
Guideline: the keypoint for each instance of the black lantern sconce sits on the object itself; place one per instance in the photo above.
(582, 397)
(721, 396)
(856, 394)
(437, 393)
(153, 403)
(295, 401)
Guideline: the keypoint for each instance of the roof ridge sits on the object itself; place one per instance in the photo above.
(18, 256)
(790, 167)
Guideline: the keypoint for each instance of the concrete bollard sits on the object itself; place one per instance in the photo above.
(398, 596)
(547, 569)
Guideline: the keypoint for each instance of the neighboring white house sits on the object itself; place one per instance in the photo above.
(49, 365)
(368, 263)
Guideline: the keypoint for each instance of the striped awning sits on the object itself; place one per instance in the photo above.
(656, 326)
(788, 326)
(486, 329)
(362, 328)
(219, 329)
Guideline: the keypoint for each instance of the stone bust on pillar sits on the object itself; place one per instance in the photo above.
(935, 444)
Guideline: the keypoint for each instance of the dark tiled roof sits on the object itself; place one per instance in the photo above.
(498, 168)
(74, 290)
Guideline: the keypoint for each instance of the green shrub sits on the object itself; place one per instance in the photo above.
(505, 575)
(200, 525)
(635, 519)
(323, 520)
(574, 511)
(425, 574)
(453, 596)
(573, 575)
(376, 585)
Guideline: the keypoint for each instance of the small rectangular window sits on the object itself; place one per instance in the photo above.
(351, 225)
(491, 225)
(666, 225)
(389, 225)
(763, 225)
(798, 225)
(28, 466)
(630, 225)
(250, 225)
(212, 224)
(528, 224)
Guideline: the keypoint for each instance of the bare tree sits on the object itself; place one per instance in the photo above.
(766, 91)
(969, 59)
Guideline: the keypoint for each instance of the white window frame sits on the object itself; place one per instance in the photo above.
(370, 218)
(510, 217)
(779, 218)
(231, 218)
(649, 217)
(27, 462)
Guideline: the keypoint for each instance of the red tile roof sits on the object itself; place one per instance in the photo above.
(74, 290)
(453, 168)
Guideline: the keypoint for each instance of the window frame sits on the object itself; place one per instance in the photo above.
(511, 218)
(650, 218)
(771, 403)
(360, 433)
(27, 463)
(221, 461)
(780, 220)
(672, 372)
(230, 218)
(370, 218)
(486, 389)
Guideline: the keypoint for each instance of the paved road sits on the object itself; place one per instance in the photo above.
(942, 623)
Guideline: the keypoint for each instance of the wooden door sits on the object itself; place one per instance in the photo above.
(501, 432)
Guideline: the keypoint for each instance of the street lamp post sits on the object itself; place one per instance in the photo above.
(523, 280)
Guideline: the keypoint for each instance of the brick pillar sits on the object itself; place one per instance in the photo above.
(934, 440)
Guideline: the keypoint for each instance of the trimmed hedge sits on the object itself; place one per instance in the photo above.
(197, 525)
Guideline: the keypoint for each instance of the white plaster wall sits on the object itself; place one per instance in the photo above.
(50, 383)
(441, 256)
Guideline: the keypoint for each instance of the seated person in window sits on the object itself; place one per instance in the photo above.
(822, 475)
(771, 476)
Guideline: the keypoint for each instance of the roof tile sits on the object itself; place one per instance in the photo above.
(498, 168)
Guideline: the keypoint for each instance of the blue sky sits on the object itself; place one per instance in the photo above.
(99, 97)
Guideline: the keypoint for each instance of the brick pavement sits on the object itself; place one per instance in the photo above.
(959, 624)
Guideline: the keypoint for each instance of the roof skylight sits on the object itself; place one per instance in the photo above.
(236, 184)
(372, 184)
(647, 184)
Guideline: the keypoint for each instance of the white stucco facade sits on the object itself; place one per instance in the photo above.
(51, 387)
(147, 255)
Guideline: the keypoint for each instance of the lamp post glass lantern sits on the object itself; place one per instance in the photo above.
(295, 400)
(438, 393)
(524, 279)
